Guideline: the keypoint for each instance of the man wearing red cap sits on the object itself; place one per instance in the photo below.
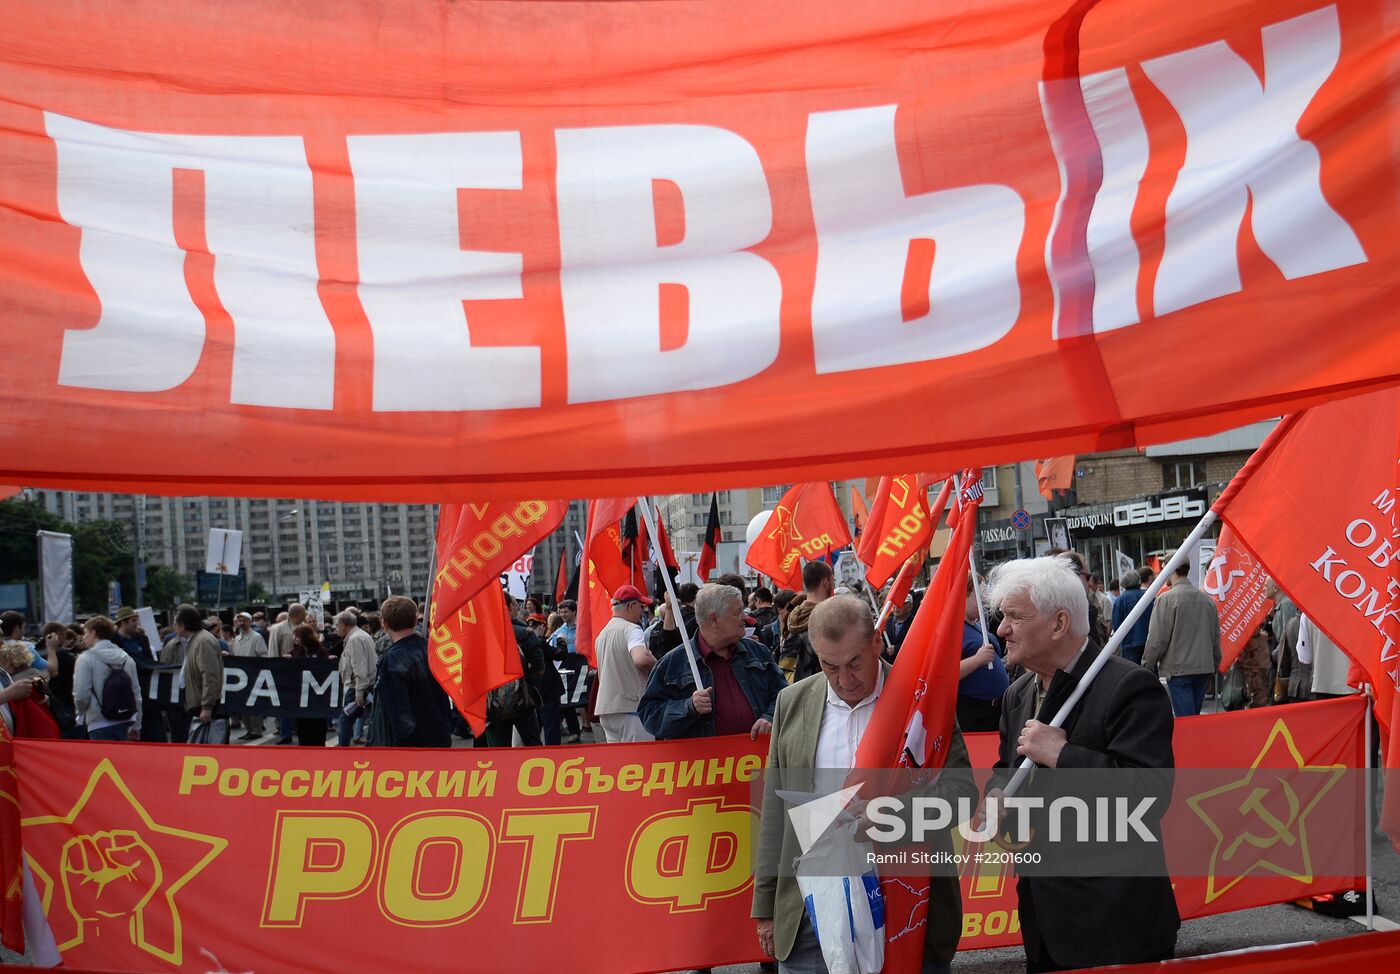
(623, 664)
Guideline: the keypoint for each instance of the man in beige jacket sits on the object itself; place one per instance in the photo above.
(818, 724)
(204, 668)
(1183, 643)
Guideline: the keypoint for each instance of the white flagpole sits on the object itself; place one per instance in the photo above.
(675, 602)
(1116, 640)
(1369, 792)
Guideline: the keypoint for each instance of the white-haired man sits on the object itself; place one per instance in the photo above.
(1124, 721)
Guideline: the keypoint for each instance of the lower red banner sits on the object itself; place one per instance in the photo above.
(157, 858)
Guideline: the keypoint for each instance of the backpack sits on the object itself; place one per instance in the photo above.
(118, 696)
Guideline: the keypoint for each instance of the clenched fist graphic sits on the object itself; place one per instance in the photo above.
(109, 874)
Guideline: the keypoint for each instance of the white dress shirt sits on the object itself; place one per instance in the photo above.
(843, 725)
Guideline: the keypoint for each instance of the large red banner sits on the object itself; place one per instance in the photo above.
(147, 857)
(452, 235)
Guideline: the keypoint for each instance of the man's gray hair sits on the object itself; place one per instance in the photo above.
(1130, 580)
(347, 618)
(1051, 583)
(834, 618)
(713, 599)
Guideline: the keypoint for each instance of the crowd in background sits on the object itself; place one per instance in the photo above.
(88, 680)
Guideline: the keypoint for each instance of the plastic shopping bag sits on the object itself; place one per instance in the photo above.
(844, 903)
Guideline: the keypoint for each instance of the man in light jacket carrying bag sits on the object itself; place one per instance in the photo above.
(109, 713)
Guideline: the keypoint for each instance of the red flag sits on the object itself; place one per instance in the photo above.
(561, 575)
(664, 552)
(709, 549)
(1236, 580)
(860, 514)
(476, 542)
(1328, 533)
(904, 581)
(913, 720)
(11, 853)
(603, 540)
(473, 651)
(904, 527)
(1054, 473)
(594, 611)
(807, 523)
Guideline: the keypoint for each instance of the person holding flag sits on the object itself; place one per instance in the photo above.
(981, 673)
(821, 723)
(1123, 721)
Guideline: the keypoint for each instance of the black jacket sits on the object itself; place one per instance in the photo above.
(540, 673)
(663, 640)
(410, 708)
(1123, 722)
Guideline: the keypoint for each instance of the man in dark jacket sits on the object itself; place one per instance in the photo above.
(410, 708)
(1071, 918)
(1136, 639)
(741, 681)
(516, 706)
(664, 636)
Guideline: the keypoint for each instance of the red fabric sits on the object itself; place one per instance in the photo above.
(319, 838)
(11, 851)
(904, 528)
(1056, 473)
(913, 719)
(904, 581)
(479, 541)
(1329, 476)
(603, 540)
(665, 552)
(807, 523)
(734, 336)
(602, 548)
(1236, 579)
(860, 514)
(33, 719)
(473, 651)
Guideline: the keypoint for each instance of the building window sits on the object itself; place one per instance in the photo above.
(724, 497)
(698, 520)
(697, 499)
(724, 517)
(771, 495)
(1177, 476)
(989, 478)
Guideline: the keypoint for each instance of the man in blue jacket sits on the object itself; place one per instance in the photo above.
(741, 681)
(1136, 639)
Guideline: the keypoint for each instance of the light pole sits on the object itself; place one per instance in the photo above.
(277, 548)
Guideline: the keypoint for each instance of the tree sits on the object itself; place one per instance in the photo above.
(257, 593)
(166, 587)
(20, 521)
(102, 552)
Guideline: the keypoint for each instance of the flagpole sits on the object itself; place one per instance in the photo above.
(1116, 640)
(972, 562)
(1369, 791)
(675, 602)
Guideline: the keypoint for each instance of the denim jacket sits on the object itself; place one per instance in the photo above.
(666, 709)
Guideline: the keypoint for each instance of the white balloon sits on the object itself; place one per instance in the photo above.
(755, 528)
